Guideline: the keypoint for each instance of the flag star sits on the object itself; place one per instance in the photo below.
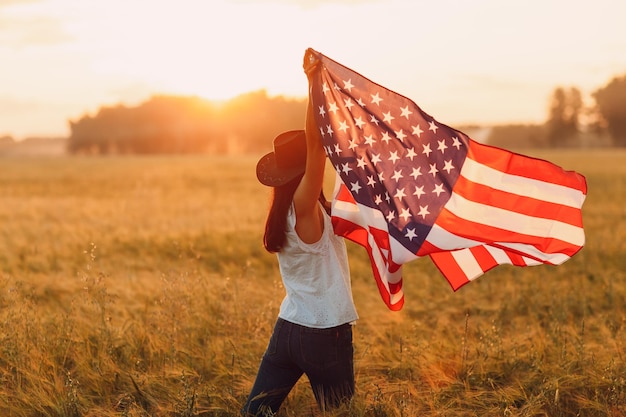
(322, 132)
(411, 153)
(416, 172)
(456, 143)
(329, 130)
(378, 199)
(432, 126)
(333, 107)
(386, 138)
(376, 99)
(393, 156)
(423, 212)
(417, 130)
(375, 159)
(348, 103)
(433, 170)
(400, 135)
(370, 181)
(355, 187)
(400, 194)
(346, 168)
(347, 85)
(337, 149)
(329, 150)
(405, 214)
(380, 176)
(353, 144)
(439, 189)
(387, 197)
(336, 87)
(369, 140)
(325, 88)
(419, 191)
(397, 175)
(359, 122)
(447, 166)
(322, 111)
(343, 126)
(374, 120)
(388, 117)
(410, 234)
(391, 215)
(442, 145)
(360, 102)
(361, 162)
(427, 150)
(406, 112)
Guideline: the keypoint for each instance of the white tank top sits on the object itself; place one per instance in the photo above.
(316, 278)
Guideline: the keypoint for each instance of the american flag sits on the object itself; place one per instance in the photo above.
(409, 186)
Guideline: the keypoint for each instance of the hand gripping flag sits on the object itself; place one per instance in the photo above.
(409, 186)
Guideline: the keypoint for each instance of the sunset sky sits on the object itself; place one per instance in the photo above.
(482, 61)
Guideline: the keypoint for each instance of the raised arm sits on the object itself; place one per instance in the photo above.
(309, 218)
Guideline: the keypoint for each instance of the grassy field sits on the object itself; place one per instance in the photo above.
(138, 286)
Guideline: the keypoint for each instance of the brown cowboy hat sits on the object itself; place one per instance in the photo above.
(286, 162)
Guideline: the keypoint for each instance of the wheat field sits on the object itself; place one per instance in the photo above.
(138, 286)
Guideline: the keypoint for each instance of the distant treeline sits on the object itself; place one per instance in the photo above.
(171, 124)
(246, 124)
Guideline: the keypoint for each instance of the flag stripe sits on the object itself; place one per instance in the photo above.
(525, 166)
(483, 257)
(536, 255)
(387, 274)
(464, 265)
(459, 267)
(440, 240)
(505, 256)
(472, 229)
(511, 223)
(505, 200)
(514, 184)
(390, 291)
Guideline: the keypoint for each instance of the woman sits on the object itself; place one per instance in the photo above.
(313, 332)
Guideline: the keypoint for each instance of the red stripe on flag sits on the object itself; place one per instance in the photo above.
(449, 268)
(479, 231)
(525, 205)
(525, 166)
(359, 235)
(516, 259)
(483, 257)
(427, 248)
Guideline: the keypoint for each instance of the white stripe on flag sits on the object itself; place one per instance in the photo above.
(514, 222)
(527, 187)
(468, 264)
(529, 250)
(445, 240)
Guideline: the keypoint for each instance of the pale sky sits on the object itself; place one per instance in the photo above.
(482, 61)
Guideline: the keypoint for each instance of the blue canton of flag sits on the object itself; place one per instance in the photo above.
(392, 156)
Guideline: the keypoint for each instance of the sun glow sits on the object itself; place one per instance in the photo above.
(68, 57)
(171, 51)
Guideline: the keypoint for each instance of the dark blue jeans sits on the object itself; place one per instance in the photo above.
(326, 356)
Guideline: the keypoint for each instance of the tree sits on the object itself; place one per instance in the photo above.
(174, 124)
(611, 109)
(564, 114)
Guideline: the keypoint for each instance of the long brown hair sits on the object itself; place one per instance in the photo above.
(276, 223)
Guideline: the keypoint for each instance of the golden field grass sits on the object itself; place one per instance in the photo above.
(138, 286)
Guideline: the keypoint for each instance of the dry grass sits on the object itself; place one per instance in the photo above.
(138, 287)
